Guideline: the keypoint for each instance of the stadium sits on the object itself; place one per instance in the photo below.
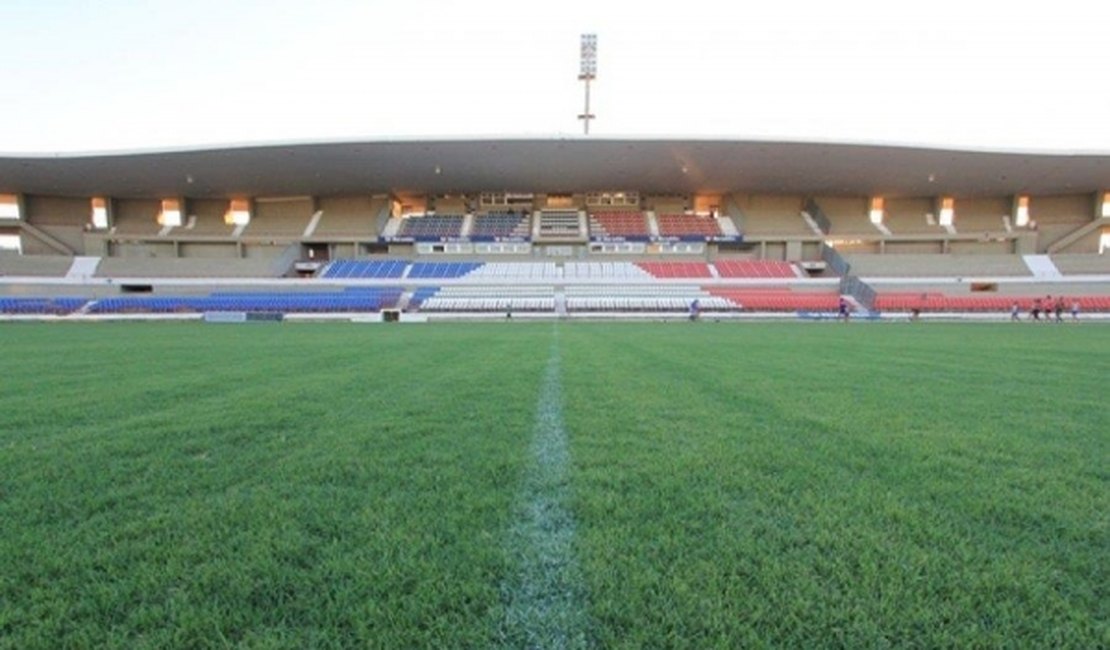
(503, 475)
(555, 228)
(802, 386)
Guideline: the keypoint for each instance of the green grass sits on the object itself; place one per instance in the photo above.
(732, 485)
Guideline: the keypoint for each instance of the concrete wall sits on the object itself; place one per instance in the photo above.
(263, 251)
(45, 265)
(136, 216)
(348, 216)
(208, 250)
(913, 248)
(926, 265)
(281, 217)
(981, 247)
(908, 216)
(209, 217)
(982, 214)
(771, 214)
(72, 236)
(453, 205)
(57, 211)
(667, 204)
(1067, 209)
(847, 215)
(1081, 263)
(164, 250)
(185, 267)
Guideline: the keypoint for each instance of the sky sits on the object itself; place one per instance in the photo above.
(973, 74)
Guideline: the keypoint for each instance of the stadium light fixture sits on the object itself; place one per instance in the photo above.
(9, 206)
(171, 213)
(1021, 212)
(587, 72)
(99, 213)
(11, 243)
(238, 213)
(876, 213)
(947, 211)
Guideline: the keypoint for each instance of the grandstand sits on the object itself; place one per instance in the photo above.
(432, 227)
(688, 225)
(429, 229)
(606, 225)
(498, 225)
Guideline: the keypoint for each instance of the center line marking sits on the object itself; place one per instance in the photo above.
(546, 597)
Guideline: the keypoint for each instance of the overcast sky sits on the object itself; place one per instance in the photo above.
(115, 74)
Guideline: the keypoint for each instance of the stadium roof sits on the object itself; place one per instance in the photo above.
(651, 165)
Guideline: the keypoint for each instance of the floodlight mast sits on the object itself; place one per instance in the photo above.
(587, 71)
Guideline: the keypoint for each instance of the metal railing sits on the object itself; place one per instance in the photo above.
(818, 215)
(863, 293)
(835, 261)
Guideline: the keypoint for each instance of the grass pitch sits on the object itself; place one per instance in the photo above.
(729, 485)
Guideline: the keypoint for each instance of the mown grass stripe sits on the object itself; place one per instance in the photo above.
(545, 600)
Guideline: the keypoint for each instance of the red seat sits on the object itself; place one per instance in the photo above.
(755, 269)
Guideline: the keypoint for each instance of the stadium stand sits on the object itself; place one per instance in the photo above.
(560, 223)
(558, 236)
(667, 270)
(517, 271)
(420, 295)
(687, 225)
(41, 306)
(502, 224)
(604, 271)
(360, 299)
(490, 299)
(754, 269)
(364, 269)
(586, 298)
(619, 224)
(929, 301)
(442, 270)
(778, 299)
(432, 226)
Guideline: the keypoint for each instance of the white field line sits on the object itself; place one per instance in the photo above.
(545, 599)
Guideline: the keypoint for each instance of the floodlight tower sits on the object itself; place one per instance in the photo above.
(586, 72)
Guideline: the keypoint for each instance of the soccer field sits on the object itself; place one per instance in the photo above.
(554, 485)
